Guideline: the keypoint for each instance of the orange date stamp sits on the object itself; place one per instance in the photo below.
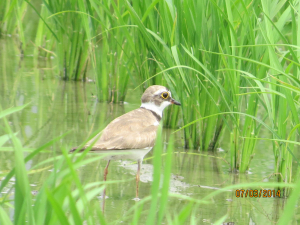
(257, 193)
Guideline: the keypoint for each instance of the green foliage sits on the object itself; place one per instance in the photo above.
(57, 194)
(232, 64)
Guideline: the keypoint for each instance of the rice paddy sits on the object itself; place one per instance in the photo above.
(233, 65)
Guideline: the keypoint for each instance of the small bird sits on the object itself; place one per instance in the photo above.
(134, 131)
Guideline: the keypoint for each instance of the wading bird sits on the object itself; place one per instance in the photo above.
(133, 133)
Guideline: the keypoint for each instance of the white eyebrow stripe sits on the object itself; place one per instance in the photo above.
(159, 91)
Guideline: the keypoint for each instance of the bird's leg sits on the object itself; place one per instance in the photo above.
(138, 179)
(104, 191)
(106, 170)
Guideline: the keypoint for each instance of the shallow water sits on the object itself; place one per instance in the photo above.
(56, 107)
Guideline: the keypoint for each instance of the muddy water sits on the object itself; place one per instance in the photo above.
(56, 107)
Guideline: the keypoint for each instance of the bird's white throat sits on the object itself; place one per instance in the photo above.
(157, 109)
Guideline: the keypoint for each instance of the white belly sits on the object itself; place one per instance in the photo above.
(132, 154)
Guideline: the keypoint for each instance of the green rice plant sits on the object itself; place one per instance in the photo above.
(223, 71)
(283, 107)
(57, 201)
(171, 57)
(119, 54)
(199, 86)
(11, 20)
(279, 107)
(69, 27)
(290, 206)
(85, 37)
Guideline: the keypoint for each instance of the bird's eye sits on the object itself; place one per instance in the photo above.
(165, 95)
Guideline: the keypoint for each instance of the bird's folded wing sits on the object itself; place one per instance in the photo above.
(134, 130)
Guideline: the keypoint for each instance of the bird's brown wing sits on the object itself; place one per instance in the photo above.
(133, 130)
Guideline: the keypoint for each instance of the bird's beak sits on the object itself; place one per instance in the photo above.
(173, 101)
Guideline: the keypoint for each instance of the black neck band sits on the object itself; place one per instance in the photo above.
(158, 117)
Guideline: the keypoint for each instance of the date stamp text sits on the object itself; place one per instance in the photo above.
(257, 193)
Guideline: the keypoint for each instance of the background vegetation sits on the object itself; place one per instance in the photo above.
(234, 66)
